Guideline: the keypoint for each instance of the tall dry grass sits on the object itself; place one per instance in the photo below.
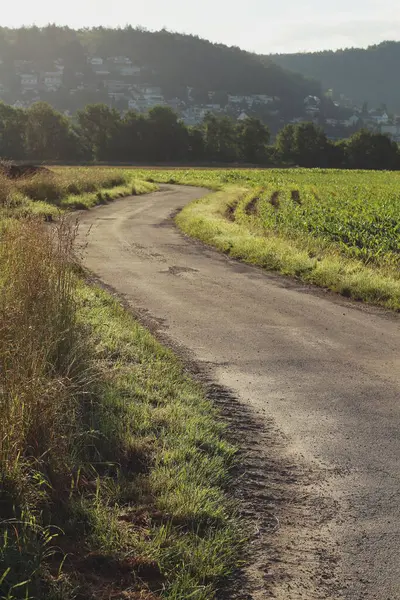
(39, 346)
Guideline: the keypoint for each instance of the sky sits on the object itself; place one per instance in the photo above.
(263, 26)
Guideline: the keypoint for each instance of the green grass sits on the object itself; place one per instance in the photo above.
(115, 467)
(51, 192)
(155, 419)
(335, 229)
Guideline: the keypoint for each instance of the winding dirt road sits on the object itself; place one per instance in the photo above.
(309, 383)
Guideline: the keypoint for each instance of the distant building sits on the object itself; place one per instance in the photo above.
(95, 60)
(29, 81)
(392, 130)
(379, 118)
(52, 81)
(129, 70)
(243, 116)
(115, 86)
(120, 60)
(194, 115)
(352, 121)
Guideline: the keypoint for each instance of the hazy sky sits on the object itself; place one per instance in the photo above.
(260, 25)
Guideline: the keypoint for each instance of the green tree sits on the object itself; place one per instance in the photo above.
(48, 134)
(310, 145)
(196, 150)
(221, 138)
(367, 150)
(135, 141)
(12, 132)
(285, 143)
(100, 128)
(168, 137)
(253, 140)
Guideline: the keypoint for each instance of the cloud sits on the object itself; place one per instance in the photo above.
(342, 32)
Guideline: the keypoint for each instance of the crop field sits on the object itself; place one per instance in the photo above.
(334, 228)
(358, 211)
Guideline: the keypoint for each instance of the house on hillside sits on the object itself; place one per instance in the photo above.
(128, 70)
(194, 115)
(312, 105)
(263, 99)
(52, 81)
(243, 116)
(116, 86)
(392, 130)
(120, 60)
(95, 61)
(235, 99)
(352, 121)
(29, 82)
(379, 118)
(152, 94)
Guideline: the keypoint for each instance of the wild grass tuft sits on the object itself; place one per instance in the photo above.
(113, 464)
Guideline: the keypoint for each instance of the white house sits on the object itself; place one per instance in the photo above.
(29, 81)
(194, 115)
(235, 99)
(52, 80)
(392, 130)
(120, 60)
(242, 116)
(263, 99)
(116, 86)
(352, 121)
(382, 119)
(312, 100)
(129, 70)
(95, 60)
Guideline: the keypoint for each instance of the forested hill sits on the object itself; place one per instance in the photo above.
(364, 75)
(170, 60)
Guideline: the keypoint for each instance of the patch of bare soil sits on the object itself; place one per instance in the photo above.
(251, 207)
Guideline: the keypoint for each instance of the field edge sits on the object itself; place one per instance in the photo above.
(212, 221)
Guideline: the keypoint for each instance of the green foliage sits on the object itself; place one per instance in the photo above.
(113, 463)
(47, 134)
(366, 150)
(50, 191)
(253, 140)
(336, 228)
(102, 134)
(179, 60)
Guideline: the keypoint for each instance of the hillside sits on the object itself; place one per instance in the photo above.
(364, 75)
(133, 68)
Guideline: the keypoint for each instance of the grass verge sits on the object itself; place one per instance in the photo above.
(51, 191)
(114, 466)
(218, 220)
(234, 221)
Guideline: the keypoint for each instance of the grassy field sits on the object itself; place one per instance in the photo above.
(114, 467)
(51, 191)
(336, 229)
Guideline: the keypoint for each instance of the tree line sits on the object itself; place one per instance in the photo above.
(100, 133)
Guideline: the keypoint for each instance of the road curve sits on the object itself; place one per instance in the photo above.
(320, 372)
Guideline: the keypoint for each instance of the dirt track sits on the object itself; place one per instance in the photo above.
(310, 384)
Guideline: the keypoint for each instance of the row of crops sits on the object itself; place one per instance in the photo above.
(357, 211)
